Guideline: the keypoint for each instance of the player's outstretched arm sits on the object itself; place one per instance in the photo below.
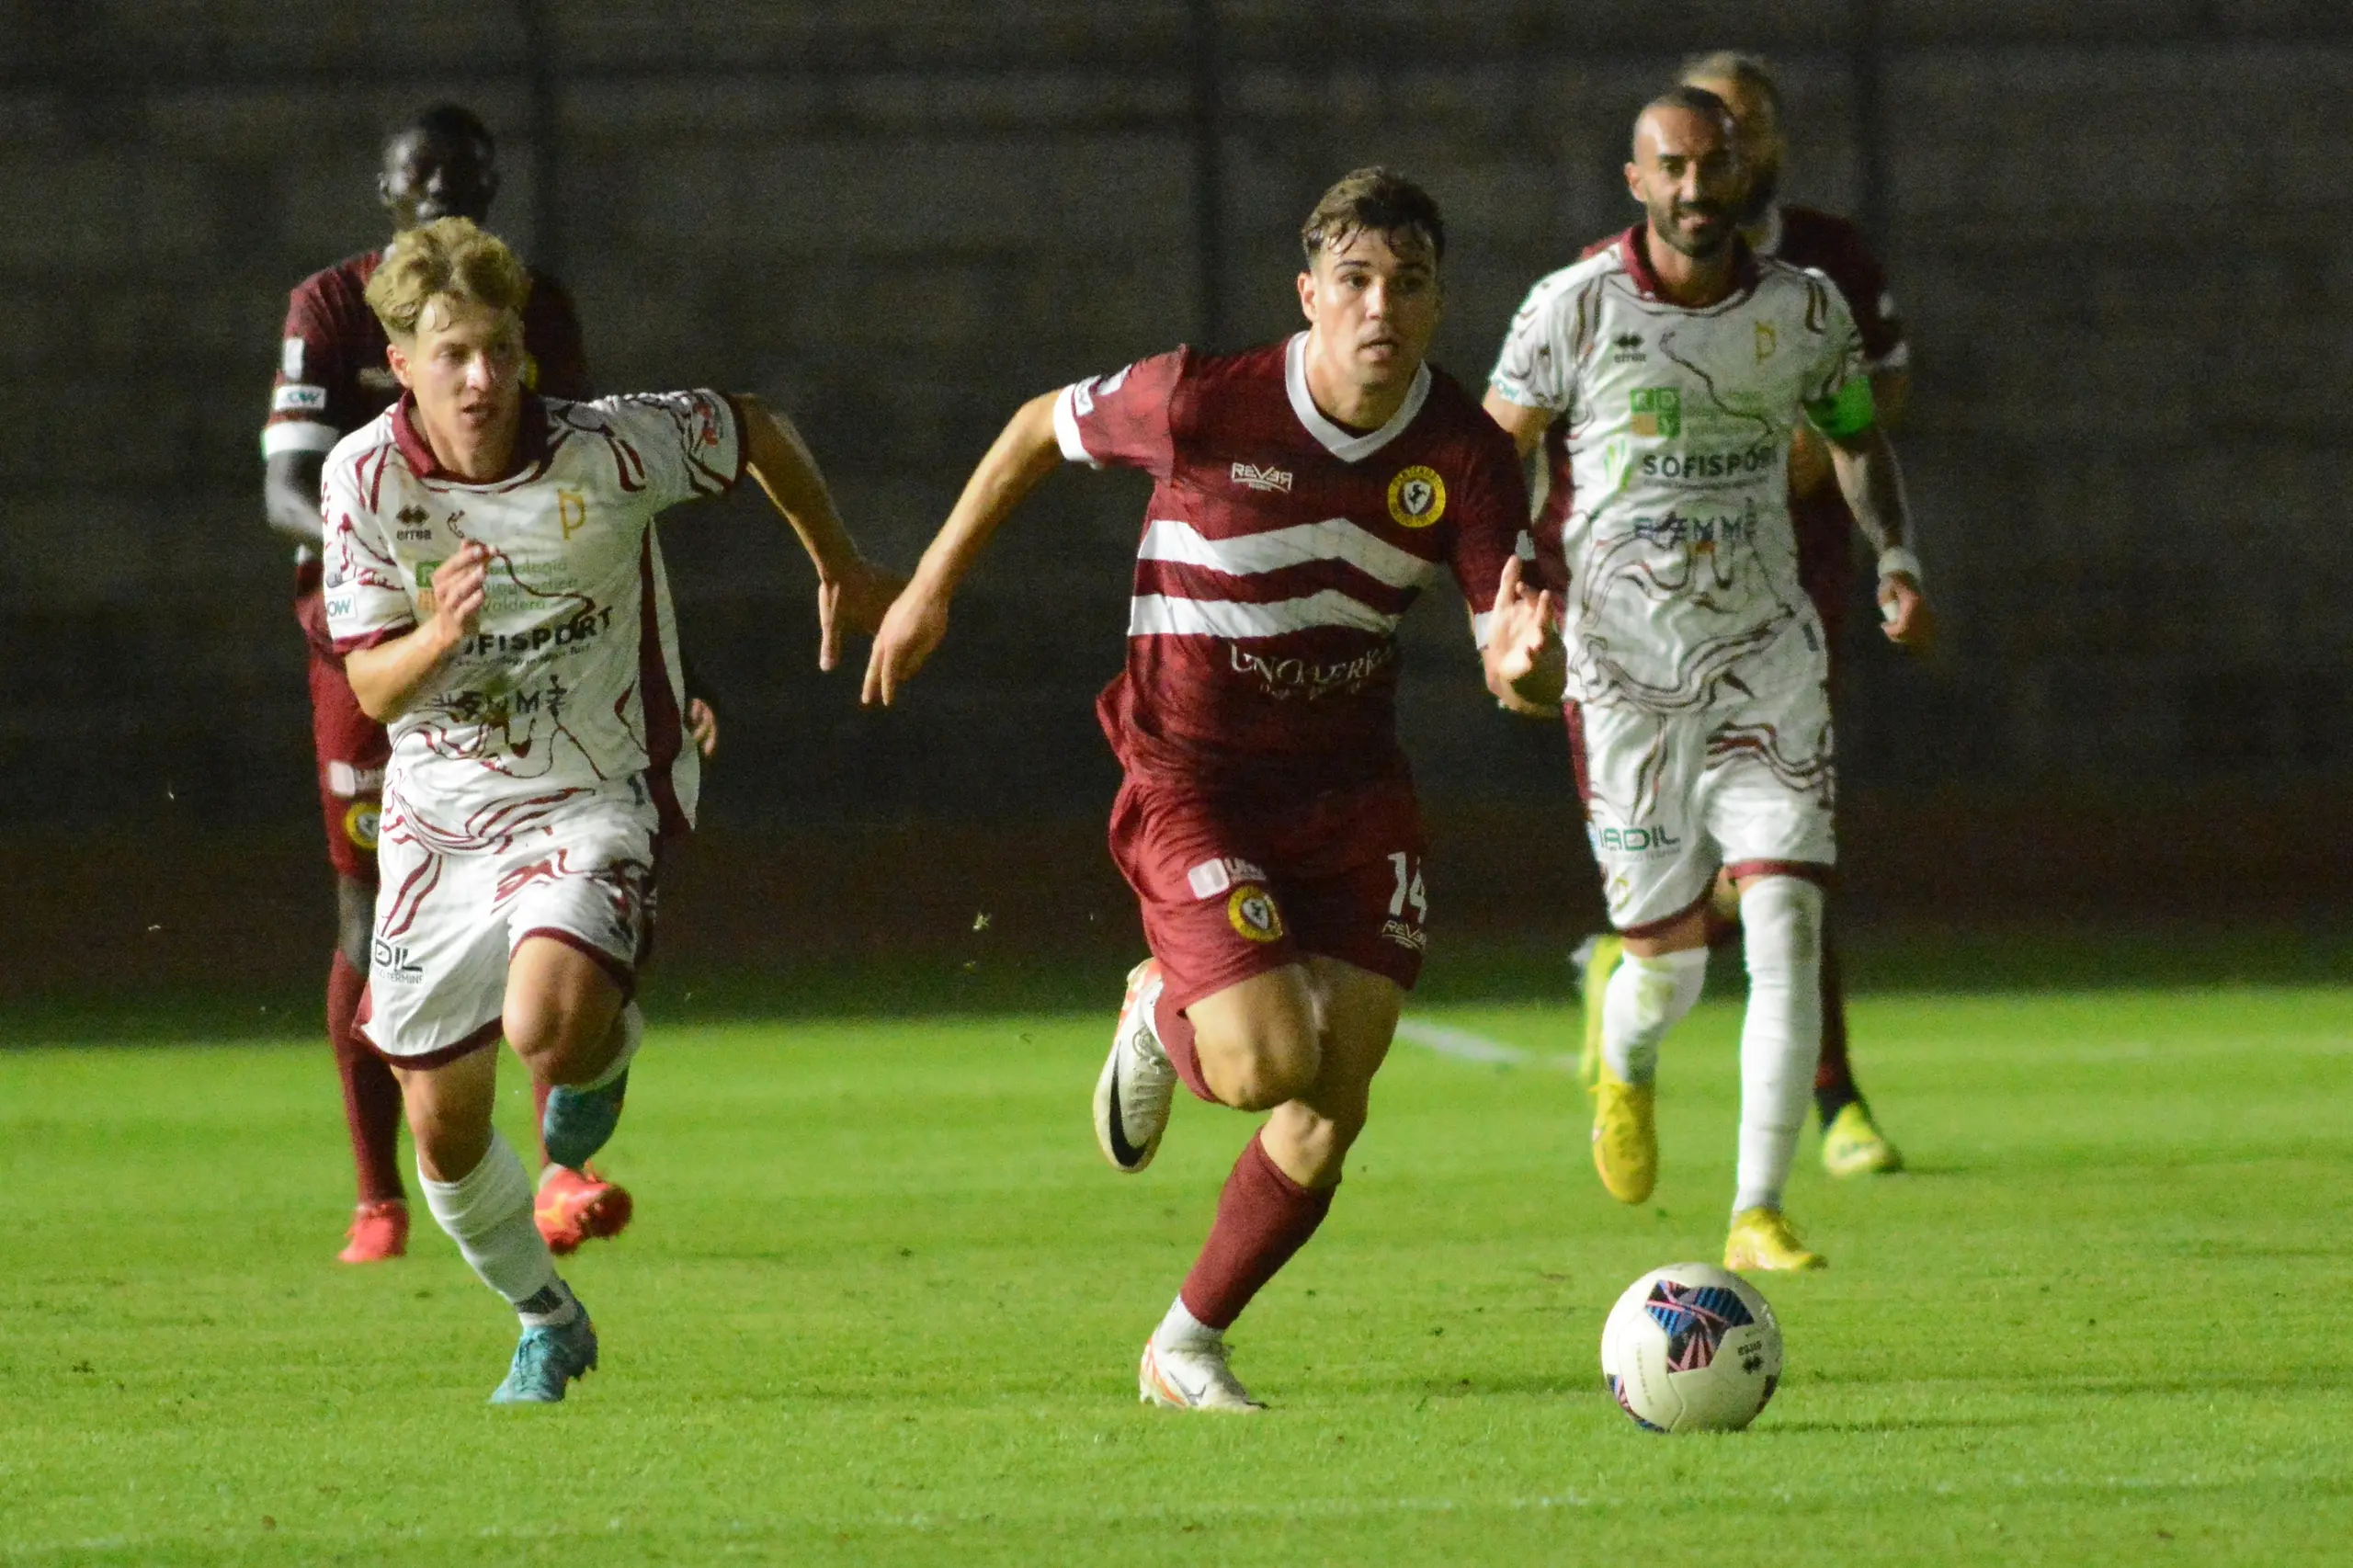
(387, 678)
(851, 590)
(289, 495)
(1024, 453)
(1527, 665)
(1874, 486)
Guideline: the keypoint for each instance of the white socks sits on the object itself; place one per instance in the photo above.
(487, 1212)
(1181, 1330)
(1780, 1039)
(1645, 998)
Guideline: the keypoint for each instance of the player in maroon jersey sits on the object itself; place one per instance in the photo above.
(333, 378)
(1852, 1141)
(1304, 494)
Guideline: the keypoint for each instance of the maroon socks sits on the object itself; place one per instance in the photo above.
(1263, 1217)
(371, 1095)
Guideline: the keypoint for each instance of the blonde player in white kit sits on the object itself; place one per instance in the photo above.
(1693, 661)
(493, 583)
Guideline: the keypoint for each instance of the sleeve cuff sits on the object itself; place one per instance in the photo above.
(1066, 427)
(366, 640)
(1896, 358)
(298, 435)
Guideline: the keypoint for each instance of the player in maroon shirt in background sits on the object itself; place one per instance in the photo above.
(333, 378)
(1304, 493)
(1852, 1143)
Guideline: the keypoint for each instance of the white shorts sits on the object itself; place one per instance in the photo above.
(452, 909)
(1748, 785)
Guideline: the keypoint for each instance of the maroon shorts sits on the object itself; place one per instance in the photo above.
(1232, 889)
(352, 748)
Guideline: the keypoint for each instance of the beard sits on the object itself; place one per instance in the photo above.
(1701, 246)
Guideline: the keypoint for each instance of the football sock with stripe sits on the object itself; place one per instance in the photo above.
(1263, 1218)
(1781, 1034)
(487, 1212)
(1646, 998)
(371, 1095)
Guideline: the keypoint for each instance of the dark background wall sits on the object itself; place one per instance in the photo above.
(2122, 232)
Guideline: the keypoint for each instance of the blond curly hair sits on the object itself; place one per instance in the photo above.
(452, 258)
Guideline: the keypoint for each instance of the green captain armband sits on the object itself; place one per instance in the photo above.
(1849, 411)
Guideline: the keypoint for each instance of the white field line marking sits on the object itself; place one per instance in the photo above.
(1465, 1046)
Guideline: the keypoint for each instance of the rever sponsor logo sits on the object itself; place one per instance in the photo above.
(1268, 478)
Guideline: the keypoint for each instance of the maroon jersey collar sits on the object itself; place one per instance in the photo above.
(530, 442)
(1343, 444)
(1637, 257)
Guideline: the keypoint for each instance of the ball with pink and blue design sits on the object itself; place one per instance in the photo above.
(1691, 1347)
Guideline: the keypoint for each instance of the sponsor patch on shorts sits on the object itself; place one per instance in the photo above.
(294, 397)
(1251, 909)
(1212, 878)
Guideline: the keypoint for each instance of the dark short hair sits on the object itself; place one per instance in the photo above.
(450, 122)
(1372, 199)
(1694, 100)
(1736, 65)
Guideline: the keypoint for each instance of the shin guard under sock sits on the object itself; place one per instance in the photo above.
(1263, 1217)
(487, 1212)
(1781, 1034)
(1646, 997)
(371, 1095)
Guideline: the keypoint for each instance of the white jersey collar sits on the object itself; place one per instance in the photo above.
(1346, 446)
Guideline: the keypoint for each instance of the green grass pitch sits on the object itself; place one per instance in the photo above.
(882, 1304)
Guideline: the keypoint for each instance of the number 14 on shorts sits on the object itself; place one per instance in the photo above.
(1400, 927)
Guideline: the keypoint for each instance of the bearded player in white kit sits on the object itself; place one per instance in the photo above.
(1696, 666)
(494, 586)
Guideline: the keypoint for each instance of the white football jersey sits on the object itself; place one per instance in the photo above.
(1682, 563)
(570, 680)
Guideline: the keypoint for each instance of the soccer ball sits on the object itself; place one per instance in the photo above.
(1691, 1347)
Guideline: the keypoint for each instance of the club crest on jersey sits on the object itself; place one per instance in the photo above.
(1250, 909)
(1268, 478)
(571, 511)
(1416, 497)
(1768, 340)
(359, 823)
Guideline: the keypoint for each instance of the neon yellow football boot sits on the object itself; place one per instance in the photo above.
(1597, 959)
(1625, 1136)
(1853, 1145)
(1761, 1240)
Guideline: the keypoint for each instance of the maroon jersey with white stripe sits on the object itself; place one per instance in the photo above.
(1279, 554)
